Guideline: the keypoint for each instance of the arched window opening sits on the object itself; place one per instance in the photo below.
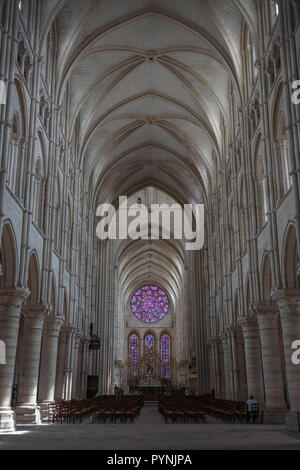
(149, 355)
(57, 234)
(271, 73)
(69, 236)
(243, 214)
(277, 58)
(133, 355)
(274, 12)
(165, 356)
(284, 155)
(13, 157)
(231, 238)
(21, 53)
(39, 195)
(28, 67)
(261, 201)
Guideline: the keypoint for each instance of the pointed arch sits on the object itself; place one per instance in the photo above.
(133, 354)
(53, 294)
(66, 306)
(235, 308)
(34, 279)
(165, 355)
(266, 279)
(290, 259)
(8, 256)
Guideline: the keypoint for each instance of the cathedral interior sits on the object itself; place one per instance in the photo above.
(165, 102)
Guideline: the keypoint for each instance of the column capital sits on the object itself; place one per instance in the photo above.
(53, 325)
(233, 329)
(78, 337)
(215, 341)
(224, 338)
(286, 297)
(265, 309)
(13, 296)
(85, 341)
(34, 312)
(249, 326)
(69, 330)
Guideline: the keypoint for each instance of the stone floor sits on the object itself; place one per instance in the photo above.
(150, 433)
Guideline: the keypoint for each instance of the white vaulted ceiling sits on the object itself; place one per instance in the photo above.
(149, 78)
(149, 84)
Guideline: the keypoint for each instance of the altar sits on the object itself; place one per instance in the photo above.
(150, 390)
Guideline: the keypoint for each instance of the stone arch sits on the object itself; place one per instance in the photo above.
(65, 306)
(290, 259)
(243, 222)
(53, 294)
(231, 227)
(22, 107)
(247, 297)
(260, 184)
(34, 279)
(235, 308)
(8, 257)
(266, 279)
(58, 215)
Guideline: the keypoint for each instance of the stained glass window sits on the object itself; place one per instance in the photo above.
(165, 356)
(149, 355)
(150, 304)
(133, 355)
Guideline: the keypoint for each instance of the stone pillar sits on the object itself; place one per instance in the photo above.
(211, 367)
(76, 365)
(51, 330)
(234, 372)
(10, 310)
(69, 357)
(276, 409)
(84, 368)
(241, 365)
(289, 306)
(27, 410)
(217, 379)
(227, 368)
(253, 358)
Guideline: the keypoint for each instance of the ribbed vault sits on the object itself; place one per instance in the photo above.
(148, 84)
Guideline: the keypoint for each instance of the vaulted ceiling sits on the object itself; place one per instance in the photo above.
(149, 83)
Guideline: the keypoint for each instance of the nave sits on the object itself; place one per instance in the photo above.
(185, 102)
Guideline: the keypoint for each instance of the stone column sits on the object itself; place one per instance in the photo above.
(69, 356)
(217, 379)
(10, 310)
(241, 365)
(84, 368)
(227, 368)
(289, 306)
(76, 365)
(276, 409)
(253, 358)
(234, 372)
(51, 330)
(34, 316)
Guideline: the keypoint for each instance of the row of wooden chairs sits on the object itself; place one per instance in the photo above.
(71, 412)
(179, 410)
(232, 411)
(119, 410)
(98, 410)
